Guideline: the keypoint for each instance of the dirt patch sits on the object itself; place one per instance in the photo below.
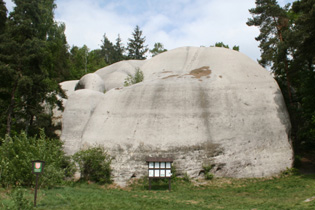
(164, 72)
(192, 202)
(116, 186)
(200, 72)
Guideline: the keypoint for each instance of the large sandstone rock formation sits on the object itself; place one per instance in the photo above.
(201, 106)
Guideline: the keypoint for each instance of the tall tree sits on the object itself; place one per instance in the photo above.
(303, 42)
(79, 61)
(57, 53)
(119, 50)
(3, 16)
(84, 61)
(287, 45)
(95, 60)
(108, 50)
(158, 48)
(24, 74)
(136, 48)
(273, 22)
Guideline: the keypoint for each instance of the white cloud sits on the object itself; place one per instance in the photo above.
(174, 23)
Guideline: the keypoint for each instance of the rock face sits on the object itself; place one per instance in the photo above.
(91, 82)
(200, 106)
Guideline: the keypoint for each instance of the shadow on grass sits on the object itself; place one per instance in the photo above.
(159, 184)
(307, 176)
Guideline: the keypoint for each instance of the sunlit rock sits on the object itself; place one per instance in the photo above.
(200, 106)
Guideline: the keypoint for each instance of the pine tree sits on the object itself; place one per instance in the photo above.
(136, 48)
(119, 50)
(273, 23)
(108, 50)
(3, 16)
(57, 53)
(303, 41)
(24, 71)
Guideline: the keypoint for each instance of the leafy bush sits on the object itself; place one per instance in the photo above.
(19, 201)
(173, 171)
(16, 154)
(138, 77)
(289, 172)
(94, 164)
(208, 175)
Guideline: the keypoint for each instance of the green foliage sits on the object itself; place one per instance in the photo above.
(17, 152)
(119, 50)
(133, 79)
(136, 48)
(186, 178)
(221, 44)
(31, 48)
(287, 192)
(79, 61)
(174, 172)
(236, 48)
(287, 46)
(83, 61)
(208, 175)
(3, 16)
(112, 53)
(158, 48)
(19, 202)
(108, 50)
(94, 164)
(290, 172)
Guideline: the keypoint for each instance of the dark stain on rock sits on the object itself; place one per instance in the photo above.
(204, 107)
(200, 72)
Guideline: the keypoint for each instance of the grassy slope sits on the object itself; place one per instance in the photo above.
(278, 193)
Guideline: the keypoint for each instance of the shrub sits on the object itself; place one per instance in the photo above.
(94, 165)
(289, 172)
(19, 200)
(208, 175)
(186, 177)
(138, 77)
(173, 171)
(16, 154)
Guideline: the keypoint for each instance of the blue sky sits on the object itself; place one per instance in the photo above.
(174, 23)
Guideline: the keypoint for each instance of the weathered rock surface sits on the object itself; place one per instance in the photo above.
(91, 82)
(201, 106)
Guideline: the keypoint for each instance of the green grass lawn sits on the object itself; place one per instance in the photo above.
(289, 192)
